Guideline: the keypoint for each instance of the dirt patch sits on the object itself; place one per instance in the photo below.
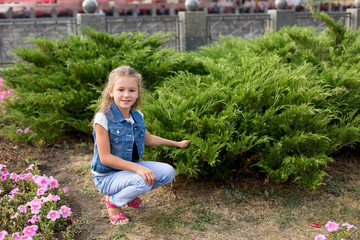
(199, 209)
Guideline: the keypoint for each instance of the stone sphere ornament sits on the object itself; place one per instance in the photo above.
(281, 4)
(90, 6)
(191, 5)
(357, 3)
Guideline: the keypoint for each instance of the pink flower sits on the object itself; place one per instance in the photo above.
(15, 177)
(2, 166)
(36, 178)
(35, 201)
(54, 198)
(19, 130)
(28, 176)
(30, 230)
(348, 225)
(53, 182)
(15, 235)
(11, 197)
(3, 177)
(35, 208)
(34, 219)
(27, 129)
(44, 182)
(29, 167)
(22, 208)
(14, 216)
(320, 237)
(3, 234)
(65, 211)
(14, 191)
(41, 191)
(53, 215)
(5, 173)
(66, 189)
(332, 226)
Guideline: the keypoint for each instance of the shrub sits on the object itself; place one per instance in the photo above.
(282, 104)
(58, 82)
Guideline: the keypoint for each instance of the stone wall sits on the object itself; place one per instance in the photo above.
(13, 31)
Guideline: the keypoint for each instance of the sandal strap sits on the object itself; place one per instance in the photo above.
(115, 218)
(135, 203)
(110, 205)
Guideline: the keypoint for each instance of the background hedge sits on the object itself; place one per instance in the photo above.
(280, 104)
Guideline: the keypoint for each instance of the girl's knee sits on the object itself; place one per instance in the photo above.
(169, 172)
(141, 186)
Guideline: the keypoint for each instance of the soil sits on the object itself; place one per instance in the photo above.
(251, 208)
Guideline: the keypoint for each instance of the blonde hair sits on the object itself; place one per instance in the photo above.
(122, 71)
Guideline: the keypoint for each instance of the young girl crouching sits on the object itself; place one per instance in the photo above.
(120, 135)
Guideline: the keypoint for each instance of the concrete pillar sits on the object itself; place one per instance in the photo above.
(192, 30)
(75, 11)
(354, 18)
(329, 7)
(251, 9)
(237, 9)
(10, 14)
(281, 18)
(266, 9)
(205, 10)
(153, 11)
(32, 13)
(53, 13)
(135, 11)
(172, 11)
(96, 21)
(221, 10)
(115, 11)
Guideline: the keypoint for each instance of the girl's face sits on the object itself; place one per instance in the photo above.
(125, 93)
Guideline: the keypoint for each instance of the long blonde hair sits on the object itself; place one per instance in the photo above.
(122, 71)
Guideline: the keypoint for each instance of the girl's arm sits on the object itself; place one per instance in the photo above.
(108, 159)
(152, 140)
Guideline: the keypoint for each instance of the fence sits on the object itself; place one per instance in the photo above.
(150, 25)
(305, 19)
(240, 25)
(13, 32)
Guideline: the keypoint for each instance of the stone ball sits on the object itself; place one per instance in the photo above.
(191, 5)
(357, 3)
(281, 4)
(90, 6)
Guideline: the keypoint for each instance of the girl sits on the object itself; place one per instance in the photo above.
(119, 136)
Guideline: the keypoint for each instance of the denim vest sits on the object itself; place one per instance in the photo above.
(121, 134)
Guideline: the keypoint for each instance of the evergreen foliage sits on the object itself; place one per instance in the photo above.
(58, 82)
(281, 104)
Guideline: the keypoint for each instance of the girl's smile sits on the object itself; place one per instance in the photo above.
(125, 93)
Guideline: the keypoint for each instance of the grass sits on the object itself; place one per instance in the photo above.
(206, 209)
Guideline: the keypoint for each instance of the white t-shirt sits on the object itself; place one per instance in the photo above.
(101, 119)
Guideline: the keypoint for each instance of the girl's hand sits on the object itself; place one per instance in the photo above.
(147, 174)
(183, 144)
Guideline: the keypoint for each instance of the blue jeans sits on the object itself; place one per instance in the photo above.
(124, 186)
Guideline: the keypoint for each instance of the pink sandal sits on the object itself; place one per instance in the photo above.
(114, 219)
(136, 203)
